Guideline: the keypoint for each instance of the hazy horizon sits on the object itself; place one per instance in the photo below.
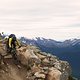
(54, 19)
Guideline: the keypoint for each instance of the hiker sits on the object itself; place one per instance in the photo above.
(11, 45)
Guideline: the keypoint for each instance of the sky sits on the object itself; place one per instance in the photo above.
(54, 19)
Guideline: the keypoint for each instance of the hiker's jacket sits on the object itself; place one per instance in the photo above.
(12, 42)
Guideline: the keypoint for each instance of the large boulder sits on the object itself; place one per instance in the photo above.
(27, 56)
(53, 74)
(39, 75)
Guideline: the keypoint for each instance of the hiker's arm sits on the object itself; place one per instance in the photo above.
(10, 40)
(18, 43)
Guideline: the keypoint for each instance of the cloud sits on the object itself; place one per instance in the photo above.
(48, 18)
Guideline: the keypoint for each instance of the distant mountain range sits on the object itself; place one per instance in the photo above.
(67, 50)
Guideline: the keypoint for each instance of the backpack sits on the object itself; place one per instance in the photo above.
(13, 37)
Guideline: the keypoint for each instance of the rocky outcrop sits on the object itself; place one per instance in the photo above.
(47, 66)
(35, 65)
(54, 74)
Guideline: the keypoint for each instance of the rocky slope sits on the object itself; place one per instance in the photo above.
(68, 50)
(34, 65)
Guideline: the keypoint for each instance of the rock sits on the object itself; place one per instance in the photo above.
(27, 56)
(8, 56)
(53, 74)
(40, 56)
(45, 68)
(2, 50)
(35, 69)
(65, 67)
(64, 76)
(57, 65)
(39, 75)
(45, 62)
